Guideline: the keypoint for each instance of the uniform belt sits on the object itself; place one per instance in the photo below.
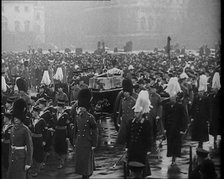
(6, 141)
(18, 148)
(36, 135)
(61, 127)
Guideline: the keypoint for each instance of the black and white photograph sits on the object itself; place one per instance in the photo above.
(117, 89)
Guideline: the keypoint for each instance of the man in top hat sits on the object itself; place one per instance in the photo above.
(203, 166)
(200, 113)
(20, 156)
(86, 135)
(125, 109)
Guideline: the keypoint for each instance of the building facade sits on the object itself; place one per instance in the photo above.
(23, 25)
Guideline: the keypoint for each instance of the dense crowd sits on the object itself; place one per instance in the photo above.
(53, 115)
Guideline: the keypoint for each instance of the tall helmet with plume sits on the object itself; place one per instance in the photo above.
(19, 109)
(203, 83)
(46, 78)
(216, 81)
(59, 74)
(173, 87)
(183, 75)
(4, 85)
(143, 104)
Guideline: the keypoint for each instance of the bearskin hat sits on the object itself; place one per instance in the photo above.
(127, 85)
(19, 109)
(21, 84)
(84, 98)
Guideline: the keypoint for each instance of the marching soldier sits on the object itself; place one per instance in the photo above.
(200, 114)
(6, 131)
(125, 109)
(61, 130)
(85, 135)
(20, 155)
(215, 101)
(38, 130)
(174, 119)
(139, 132)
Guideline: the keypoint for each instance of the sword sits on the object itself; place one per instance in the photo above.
(120, 159)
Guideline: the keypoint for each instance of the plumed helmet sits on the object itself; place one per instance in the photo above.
(127, 85)
(143, 104)
(216, 81)
(19, 109)
(203, 82)
(84, 98)
(21, 84)
(4, 85)
(173, 87)
(59, 74)
(46, 78)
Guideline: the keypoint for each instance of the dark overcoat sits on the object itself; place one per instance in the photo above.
(86, 135)
(18, 158)
(200, 113)
(215, 105)
(38, 130)
(6, 131)
(61, 133)
(174, 120)
(139, 141)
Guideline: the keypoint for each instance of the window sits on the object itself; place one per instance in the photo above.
(27, 26)
(17, 8)
(26, 8)
(17, 26)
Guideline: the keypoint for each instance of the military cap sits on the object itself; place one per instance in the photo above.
(36, 108)
(60, 102)
(11, 99)
(42, 101)
(202, 153)
(136, 166)
(33, 98)
(8, 115)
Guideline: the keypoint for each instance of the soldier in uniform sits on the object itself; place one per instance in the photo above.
(6, 131)
(42, 92)
(139, 132)
(200, 114)
(204, 167)
(155, 113)
(61, 130)
(60, 95)
(38, 130)
(125, 109)
(174, 119)
(9, 104)
(20, 155)
(85, 135)
(215, 102)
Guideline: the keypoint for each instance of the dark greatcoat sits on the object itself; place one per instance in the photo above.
(125, 109)
(174, 120)
(20, 136)
(200, 113)
(6, 144)
(38, 149)
(50, 120)
(85, 138)
(60, 144)
(139, 141)
(215, 105)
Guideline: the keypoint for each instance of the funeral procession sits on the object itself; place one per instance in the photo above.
(119, 89)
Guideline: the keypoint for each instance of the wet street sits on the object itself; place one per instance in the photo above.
(106, 155)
